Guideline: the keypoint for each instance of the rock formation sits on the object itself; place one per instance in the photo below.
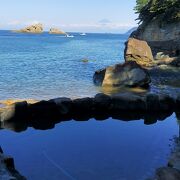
(161, 38)
(167, 173)
(160, 26)
(56, 31)
(129, 74)
(139, 51)
(36, 28)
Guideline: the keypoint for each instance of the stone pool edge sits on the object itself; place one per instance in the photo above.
(127, 106)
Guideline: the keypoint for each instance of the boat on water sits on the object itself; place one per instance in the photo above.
(82, 34)
(69, 36)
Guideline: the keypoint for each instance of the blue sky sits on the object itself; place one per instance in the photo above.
(69, 15)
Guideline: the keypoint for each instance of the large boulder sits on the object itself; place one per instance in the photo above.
(35, 28)
(139, 51)
(129, 74)
(64, 106)
(56, 31)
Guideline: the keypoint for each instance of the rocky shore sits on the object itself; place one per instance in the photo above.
(7, 168)
(122, 106)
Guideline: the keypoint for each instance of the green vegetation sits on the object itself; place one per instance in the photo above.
(166, 11)
(140, 4)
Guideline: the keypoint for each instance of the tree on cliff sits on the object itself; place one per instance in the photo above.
(166, 11)
(140, 4)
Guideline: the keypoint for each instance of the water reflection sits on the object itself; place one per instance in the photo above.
(49, 123)
(91, 149)
(115, 90)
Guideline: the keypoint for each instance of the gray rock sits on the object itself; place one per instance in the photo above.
(102, 102)
(7, 169)
(83, 108)
(83, 104)
(129, 74)
(127, 101)
(43, 110)
(64, 105)
(167, 173)
(99, 77)
(174, 160)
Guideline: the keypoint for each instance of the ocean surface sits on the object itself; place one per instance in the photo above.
(47, 66)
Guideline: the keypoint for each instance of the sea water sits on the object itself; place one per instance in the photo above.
(44, 66)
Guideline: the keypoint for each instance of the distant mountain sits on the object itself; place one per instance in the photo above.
(131, 30)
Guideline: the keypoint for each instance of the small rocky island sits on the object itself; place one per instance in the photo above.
(35, 29)
(38, 29)
(56, 31)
